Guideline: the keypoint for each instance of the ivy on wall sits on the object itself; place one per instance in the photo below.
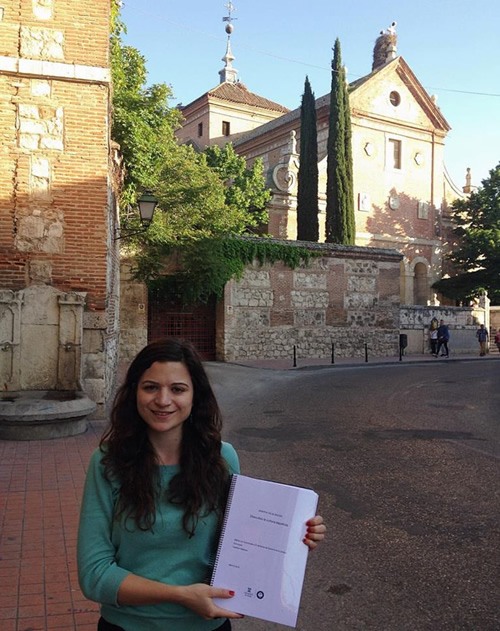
(204, 267)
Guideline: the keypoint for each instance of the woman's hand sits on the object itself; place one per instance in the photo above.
(199, 598)
(315, 532)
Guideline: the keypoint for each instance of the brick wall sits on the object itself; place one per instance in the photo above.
(55, 141)
(69, 31)
(57, 206)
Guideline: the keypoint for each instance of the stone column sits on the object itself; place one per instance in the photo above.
(69, 365)
(10, 334)
(285, 176)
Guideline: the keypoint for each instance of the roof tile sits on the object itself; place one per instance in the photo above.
(239, 93)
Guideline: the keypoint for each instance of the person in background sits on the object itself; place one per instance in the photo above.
(482, 338)
(497, 339)
(433, 336)
(154, 499)
(443, 339)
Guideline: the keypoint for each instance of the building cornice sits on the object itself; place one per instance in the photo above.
(39, 68)
(360, 115)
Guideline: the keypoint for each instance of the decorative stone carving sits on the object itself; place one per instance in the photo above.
(283, 178)
(285, 172)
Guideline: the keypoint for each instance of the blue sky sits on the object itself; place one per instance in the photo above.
(453, 47)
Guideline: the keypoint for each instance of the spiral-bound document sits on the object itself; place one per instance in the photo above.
(261, 554)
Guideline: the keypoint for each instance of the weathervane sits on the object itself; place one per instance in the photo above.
(228, 74)
(229, 18)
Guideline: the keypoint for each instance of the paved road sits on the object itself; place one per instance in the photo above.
(406, 461)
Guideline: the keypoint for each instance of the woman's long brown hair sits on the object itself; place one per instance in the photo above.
(128, 456)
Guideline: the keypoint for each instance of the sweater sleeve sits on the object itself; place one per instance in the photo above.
(229, 454)
(98, 573)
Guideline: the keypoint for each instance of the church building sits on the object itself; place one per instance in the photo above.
(401, 186)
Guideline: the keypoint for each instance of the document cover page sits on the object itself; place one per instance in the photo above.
(261, 554)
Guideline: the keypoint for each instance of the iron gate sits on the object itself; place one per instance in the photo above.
(169, 317)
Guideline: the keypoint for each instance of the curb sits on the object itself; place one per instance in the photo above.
(266, 364)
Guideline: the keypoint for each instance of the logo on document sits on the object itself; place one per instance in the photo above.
(250, 593)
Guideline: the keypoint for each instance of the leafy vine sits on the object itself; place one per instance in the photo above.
(204, 267)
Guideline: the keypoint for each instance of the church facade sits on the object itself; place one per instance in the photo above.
(402, 189)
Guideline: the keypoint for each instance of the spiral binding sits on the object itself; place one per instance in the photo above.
(234, 479)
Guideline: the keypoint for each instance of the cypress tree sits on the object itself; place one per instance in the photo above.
(340, 221)
(307, 193)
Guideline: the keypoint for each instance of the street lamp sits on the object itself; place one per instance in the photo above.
(147, 203)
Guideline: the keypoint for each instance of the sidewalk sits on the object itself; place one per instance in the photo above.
(344, 362)
(40, 489)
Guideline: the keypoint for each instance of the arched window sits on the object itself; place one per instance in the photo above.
(420, 285)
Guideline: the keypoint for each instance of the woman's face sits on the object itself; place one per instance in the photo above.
(165, 397)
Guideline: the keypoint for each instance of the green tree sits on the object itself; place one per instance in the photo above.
(205, 199)
(143, 124)
(477, 257)
(340, 221)
(307, 193)
(245, 187)
(201, 212)
(196, 199)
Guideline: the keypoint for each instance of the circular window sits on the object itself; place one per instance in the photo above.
(395, 98)
(393, 202)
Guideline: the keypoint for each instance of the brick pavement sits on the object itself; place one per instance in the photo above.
(40, 489)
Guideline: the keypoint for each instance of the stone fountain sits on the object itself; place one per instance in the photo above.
(41, 396)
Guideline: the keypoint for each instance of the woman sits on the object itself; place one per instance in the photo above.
(154, 498)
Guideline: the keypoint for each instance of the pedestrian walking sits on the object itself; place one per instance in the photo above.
(433, 336)
(443, 339)
(154, 498)
(482, 338)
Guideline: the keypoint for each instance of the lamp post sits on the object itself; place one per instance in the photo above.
(147, 203)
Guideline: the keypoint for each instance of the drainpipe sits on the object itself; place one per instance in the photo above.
(433, 164)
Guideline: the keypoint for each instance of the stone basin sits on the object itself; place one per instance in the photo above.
(43, 414)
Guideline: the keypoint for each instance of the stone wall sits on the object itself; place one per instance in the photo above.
(133, 321)
(348, 296)
(494, 320)
(462, 323)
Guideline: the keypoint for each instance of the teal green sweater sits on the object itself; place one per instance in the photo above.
(108, 551)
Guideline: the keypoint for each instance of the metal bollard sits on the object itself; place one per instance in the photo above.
(333, 353)
(366, 352)
(294, 356)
